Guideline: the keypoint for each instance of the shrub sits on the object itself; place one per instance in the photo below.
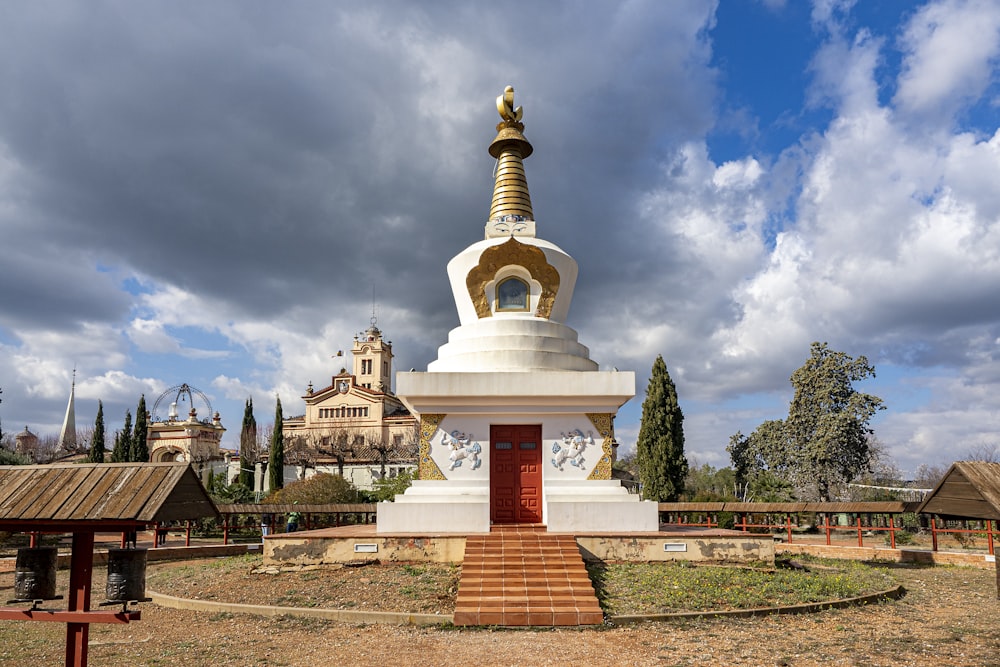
(388, 489)
(320, 489)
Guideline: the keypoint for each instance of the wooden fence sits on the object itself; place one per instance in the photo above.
(784, 519)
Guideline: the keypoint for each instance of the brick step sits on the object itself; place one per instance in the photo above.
(522, 578)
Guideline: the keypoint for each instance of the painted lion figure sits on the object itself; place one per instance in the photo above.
(571, 449)
(461, 449)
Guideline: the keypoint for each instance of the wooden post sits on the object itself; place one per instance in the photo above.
(861, 541)
(81, 564)
(826, 520)
(892, 533)
(996, 566)
(788, 525)
(933, 534)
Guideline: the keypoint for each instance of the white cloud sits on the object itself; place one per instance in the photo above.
(247, 217)
(950, 48)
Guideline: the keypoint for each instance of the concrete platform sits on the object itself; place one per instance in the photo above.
(353, 544)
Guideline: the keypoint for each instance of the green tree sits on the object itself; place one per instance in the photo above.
(248, 443)
(320, 489)
(97, 447)
(660, 447)
(226, 494)
(138, 451)
(826, 438)
(276, 455)
(388, 488)
(705, 483)
(123, 441)
(9, 458)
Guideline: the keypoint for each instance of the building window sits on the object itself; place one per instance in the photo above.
(366, 366)
(512, 295)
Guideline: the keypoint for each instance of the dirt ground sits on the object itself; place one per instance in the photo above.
(949, 617)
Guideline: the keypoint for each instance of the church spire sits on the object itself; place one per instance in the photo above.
(67, 437)
(510, 211)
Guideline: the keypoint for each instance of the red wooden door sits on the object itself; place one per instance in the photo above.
(516, 474)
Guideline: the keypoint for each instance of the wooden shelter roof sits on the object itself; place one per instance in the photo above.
(99, 496)
(970, 489)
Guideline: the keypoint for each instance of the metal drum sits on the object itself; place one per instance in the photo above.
(126, 575)
(35, 573)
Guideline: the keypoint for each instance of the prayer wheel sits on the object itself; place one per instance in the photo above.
(35, 573)
(126, 575)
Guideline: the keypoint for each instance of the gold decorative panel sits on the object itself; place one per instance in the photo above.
(428, 427)
(604, 423)
(513, 253)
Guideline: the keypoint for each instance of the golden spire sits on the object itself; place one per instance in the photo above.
(511, 201)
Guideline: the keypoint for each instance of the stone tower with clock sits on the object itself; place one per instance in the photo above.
(372, 359)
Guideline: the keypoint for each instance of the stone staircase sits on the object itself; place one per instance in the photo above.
(523, 576)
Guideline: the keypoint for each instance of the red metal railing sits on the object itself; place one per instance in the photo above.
(863, 524)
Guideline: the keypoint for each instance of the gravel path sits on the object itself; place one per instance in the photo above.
(949, 617)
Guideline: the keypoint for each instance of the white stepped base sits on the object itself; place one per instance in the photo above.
(432, 506)
(512, 344)
(597, 506)
(578, 506)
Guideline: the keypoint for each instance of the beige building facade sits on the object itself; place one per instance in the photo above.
(355, 426)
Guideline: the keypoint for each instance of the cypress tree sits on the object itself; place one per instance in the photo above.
(248, 442)
(660, 447)
(123, 441)
(139, 452)
(97, 439)
(276, 456)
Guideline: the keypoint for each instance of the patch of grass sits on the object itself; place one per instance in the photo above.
(243, 562)
(654, 588)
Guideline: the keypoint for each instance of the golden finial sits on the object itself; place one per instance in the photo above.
(510, 210)
(505, 105)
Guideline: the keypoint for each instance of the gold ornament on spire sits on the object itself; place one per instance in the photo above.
(510, 211)
(505, 105)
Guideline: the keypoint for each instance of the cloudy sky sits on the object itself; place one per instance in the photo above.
(216, 193)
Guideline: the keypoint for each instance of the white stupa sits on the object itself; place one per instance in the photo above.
(516, 420)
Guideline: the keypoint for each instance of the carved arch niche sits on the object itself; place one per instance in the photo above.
(513, 259)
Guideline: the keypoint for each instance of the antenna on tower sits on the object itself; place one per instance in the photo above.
(374, 319)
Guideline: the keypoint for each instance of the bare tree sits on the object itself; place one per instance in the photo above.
(43, 450)
(927, 476)
(300, 452)
(83, 437)
(400, 448)
(342, 442)
(984, 452)
(260, 447)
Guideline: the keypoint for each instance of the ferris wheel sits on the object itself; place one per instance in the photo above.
(182, 394)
